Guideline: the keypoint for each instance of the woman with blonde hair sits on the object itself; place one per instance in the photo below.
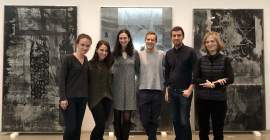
(212, 74)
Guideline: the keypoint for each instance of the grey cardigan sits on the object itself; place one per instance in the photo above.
(124, 86)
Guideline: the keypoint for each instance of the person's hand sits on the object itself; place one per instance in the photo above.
(167, 95)
(64, 104)
(221, 81)
(208, 84)
(186, 93)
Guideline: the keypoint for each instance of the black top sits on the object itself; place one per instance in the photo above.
(73, 81)
(212, 68)
(100, 83)
(179, 64)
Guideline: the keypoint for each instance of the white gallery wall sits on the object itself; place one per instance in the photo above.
(89, 22)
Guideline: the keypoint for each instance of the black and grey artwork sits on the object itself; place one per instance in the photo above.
(35, 40)
(242, 32)
(139, 21)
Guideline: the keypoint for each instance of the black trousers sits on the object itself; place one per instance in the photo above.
(122, 124)
(100, 114)
(149, 102)
(73, 117)
(216, 110)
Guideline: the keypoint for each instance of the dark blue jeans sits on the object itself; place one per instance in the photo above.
(149, 102)
(73, 117)
(181, 115)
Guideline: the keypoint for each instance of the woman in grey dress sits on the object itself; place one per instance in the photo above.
(124, 69)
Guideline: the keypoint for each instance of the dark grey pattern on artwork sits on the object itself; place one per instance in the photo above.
(35, 40)
(245, 112)
(139, 21)
(242, 33)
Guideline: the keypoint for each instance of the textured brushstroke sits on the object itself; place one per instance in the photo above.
(36, 39)
(242, 33)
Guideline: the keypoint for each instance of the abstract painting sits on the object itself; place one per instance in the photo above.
(242, 32)
(35, 40)
(139, 21)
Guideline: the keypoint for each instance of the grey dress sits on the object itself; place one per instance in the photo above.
(124, 86)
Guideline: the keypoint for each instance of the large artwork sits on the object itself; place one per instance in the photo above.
(35, 40)
(242, 33)
(139, 21)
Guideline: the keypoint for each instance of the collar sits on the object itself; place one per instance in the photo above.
(177, 49)
(213, 56)
(155, 50)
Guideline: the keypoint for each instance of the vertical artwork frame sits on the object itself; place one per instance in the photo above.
(242, 32)
(35, 40)
(139, 20)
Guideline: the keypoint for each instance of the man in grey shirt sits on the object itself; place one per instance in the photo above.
(151, 81)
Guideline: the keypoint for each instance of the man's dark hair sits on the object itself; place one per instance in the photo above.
(178, 28)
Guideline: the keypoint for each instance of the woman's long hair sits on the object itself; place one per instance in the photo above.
(117, 52)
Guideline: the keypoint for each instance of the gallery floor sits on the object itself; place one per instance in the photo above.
(85, 136)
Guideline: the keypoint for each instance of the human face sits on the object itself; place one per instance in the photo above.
(177, 38)
(211, 45)
(123, 39)
(150, 42)
(102, 52)
(83, 46)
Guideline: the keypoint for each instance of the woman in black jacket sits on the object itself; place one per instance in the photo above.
(74, 87)
(212, 74)
(99, 97)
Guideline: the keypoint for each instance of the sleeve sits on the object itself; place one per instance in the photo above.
(89, 66)
(166, 71)
(112, 67)
(111, 60)
(229, 74)
(196, 77)
(63, 79)
(137, 63)
(229, 71)
(195, 66)
(163, 65)
(194, 59)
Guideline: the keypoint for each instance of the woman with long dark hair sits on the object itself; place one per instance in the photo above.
(125, 67)
(74, 87)
(99, 97)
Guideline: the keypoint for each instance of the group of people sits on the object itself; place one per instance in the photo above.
(127, 80)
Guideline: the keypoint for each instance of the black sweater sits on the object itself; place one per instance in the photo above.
(179, 64)
(73, 81)
(212, 68)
